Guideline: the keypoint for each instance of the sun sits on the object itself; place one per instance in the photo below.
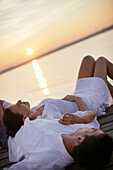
(30, 51)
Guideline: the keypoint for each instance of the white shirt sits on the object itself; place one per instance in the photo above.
(38, 144)
(94, 93)
(56, 108)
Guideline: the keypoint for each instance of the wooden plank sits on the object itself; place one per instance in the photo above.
(109, 109)
(108, 128)
(4, 163)
(2, 151)
(106, 119)
(110, 133)
(4, 155)
(106, 125)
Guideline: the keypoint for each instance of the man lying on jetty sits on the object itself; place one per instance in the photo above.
(58, 132)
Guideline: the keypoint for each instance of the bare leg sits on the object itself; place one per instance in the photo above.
(87, 67)
(103, 67)
(110, 88)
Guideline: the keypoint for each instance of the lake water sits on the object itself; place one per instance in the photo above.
(53, 75)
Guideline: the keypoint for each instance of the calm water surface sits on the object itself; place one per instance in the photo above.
(54, 75)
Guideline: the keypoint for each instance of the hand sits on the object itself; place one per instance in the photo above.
(77, 100)
(71, 98)
(69, 118)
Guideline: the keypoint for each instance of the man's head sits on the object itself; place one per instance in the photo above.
(91, 148)
(14, 116)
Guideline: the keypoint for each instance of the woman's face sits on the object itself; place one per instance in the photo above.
(22, 108)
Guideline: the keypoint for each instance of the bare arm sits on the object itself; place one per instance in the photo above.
(78, 100)
(88, 116)
(69, 118)
(33, 115)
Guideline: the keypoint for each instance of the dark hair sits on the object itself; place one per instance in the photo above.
(93, 152)
(12, 122)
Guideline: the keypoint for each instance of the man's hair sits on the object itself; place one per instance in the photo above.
(94, 151)
(12, 122)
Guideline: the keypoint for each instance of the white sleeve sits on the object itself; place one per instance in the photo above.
(51, 112)
(80, 113)
(5, 104)
(100, 111)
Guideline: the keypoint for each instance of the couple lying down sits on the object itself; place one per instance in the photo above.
(58, 132)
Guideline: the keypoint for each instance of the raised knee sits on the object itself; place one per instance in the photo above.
(101, 59)
(89, 58)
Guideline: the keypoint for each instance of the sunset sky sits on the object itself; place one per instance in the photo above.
(44, 25)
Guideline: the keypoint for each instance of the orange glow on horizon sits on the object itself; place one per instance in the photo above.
(50, 29)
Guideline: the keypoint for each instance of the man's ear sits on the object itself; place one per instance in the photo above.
(23, 119)
(80, 139)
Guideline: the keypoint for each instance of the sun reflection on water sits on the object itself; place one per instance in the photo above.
(40, 77)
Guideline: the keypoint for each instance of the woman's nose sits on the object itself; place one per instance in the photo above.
(19, 101)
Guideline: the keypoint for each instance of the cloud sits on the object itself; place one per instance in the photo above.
(21, 19)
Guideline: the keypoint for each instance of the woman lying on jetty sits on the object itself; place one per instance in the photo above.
(58, 132)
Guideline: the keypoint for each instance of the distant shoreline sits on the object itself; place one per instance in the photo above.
(61, 47)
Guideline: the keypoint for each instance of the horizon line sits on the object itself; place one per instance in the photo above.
(60, 48)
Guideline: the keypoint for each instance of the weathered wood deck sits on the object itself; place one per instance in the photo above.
(106, 122)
